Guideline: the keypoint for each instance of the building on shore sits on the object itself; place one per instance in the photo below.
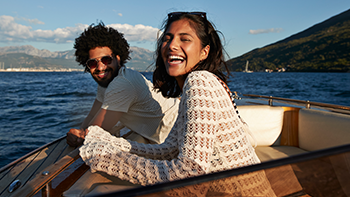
(2, 69)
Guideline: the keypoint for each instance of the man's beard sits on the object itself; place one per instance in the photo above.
(105, 82)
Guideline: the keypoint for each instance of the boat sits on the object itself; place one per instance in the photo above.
(246, 68)
(304, 148)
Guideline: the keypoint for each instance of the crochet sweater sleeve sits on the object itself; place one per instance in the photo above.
(165, 151)
(194, 137)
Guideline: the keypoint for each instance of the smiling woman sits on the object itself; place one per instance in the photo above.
(197, 37)
(208, 134)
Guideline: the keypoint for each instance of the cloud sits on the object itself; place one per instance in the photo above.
(137, 33)
(11, 31)
(264, 31)
(32, 21)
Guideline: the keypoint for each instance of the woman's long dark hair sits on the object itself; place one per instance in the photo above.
(213, 63)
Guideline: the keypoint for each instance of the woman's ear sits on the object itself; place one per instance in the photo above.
(205, 52)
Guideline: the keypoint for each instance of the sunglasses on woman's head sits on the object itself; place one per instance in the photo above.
(92, 63)
(202, 14)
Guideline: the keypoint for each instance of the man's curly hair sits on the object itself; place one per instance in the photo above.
(100, 36)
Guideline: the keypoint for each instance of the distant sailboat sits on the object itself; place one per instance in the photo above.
(246, 68)
(2, 66)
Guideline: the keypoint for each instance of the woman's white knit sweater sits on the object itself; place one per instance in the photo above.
(207, 137)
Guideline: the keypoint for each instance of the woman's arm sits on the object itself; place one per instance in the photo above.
(197, 125)
(167, 150)
(106, 153)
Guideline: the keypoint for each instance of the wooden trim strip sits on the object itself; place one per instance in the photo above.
(37, 183)
(41, 163)
(8, 178)
(29, 154)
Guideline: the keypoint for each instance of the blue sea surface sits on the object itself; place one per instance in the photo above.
(333, 88)
(38, 107)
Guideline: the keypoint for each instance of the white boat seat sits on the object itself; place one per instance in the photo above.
(316, 130)
(265, 122)
(322, 129)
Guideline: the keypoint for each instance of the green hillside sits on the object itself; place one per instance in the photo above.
(324, 47)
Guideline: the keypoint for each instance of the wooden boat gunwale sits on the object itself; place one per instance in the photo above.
(32, 165)
(40, 182)
(29, 154)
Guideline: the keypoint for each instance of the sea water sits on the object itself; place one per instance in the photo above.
(38, 107)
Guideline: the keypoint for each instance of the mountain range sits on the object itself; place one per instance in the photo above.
(323, 47)
(28, 56)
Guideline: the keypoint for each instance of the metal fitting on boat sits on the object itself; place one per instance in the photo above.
(270, 101)
(45, 173)
(308, 104)
(14, 185)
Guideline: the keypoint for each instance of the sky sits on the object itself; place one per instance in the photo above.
(245, 24)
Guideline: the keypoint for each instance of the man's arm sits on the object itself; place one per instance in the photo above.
(106, 119)
(93, 111)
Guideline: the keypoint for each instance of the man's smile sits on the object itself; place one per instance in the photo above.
(103, 74)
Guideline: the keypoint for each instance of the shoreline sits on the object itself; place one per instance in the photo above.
(40, 70)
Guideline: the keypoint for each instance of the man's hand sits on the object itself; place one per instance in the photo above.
(103, 118)
(75, 137)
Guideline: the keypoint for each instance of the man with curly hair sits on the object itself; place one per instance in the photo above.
(123, 95)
